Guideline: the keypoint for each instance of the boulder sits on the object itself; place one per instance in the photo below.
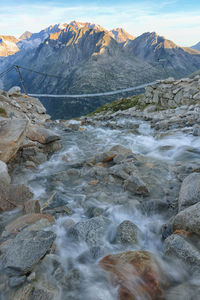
(20, 194)
(12, 196)
(41, 135)
(17, 281)
(190, 191)
(90, 231)
(188, 219)
(15, 90)
(136, 186)
(127, 233)
(30, 292)
(25, 251)
(26, 220)
(137, 273)
(12, 133)
(176, 246)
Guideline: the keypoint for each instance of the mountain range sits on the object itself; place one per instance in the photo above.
(86, 58)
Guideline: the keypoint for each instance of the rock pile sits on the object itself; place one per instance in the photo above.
(172, 93)
(24, 138)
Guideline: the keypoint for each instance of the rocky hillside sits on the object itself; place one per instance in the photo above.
(121, 36)
(86, 58)
(153, 49)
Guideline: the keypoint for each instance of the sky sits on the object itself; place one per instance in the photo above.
(177, 20)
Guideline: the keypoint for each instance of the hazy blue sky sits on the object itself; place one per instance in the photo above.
(178, 20)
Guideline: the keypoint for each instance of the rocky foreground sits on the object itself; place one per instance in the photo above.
(114, 213)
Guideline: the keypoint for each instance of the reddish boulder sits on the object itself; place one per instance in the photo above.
(137, 273)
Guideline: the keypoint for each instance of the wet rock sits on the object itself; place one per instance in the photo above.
(52, 147)
(26, 220)
(54, 201)
(91, 255)
(176, 246)
(41, 135)
(26, 250)
(196, 130)
(20, 194)
(190, 191)
(184, 291)
(94, 211)
(12, 196)
(136, 186)
(127, 233)
(138, 274)
(166, 230)
(91, 231)
(12, 134)
(188, 219)
(16, 281)
(32, 206)
(155, 206)
(4, 176)
(118, 170)
(30, 292)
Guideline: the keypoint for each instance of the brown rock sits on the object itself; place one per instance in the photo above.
(41, 135)
(137, 273)
(12, 133)
(12, 196)
(109, 158)
(32, 206)
(182, 233)
(25, 221)
(93, 182)
(20, 194)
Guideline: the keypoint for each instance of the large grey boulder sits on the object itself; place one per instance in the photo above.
(41, 134)
(25, 251)
(12, 133)
(188, 219)
(127, 233)
(176, 246)
(15, 90)
(91, 231)
(190, 191)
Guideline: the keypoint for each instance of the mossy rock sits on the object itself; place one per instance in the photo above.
(3, 112)
(121, 104)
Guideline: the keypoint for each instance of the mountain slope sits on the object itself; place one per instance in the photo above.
(153, 48)
(196, 47)
(8, 45)
(120, 35)
(86, 59)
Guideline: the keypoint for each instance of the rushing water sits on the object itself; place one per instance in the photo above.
(78, 146)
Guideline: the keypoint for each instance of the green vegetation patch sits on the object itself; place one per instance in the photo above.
(121, 104)
(3, 113)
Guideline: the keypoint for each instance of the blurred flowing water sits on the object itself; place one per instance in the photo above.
(78, 146)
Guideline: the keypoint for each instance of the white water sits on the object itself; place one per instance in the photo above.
(80, 146)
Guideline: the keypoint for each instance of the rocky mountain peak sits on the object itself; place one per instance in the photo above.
(120, 35)
(8, 45)
(26, 35)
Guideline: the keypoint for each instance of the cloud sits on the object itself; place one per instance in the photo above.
(181, 27)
